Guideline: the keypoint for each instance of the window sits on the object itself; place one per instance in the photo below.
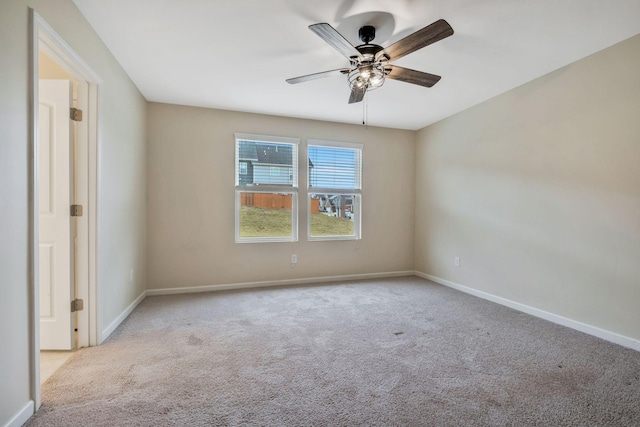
(334, 184)
(266, 180)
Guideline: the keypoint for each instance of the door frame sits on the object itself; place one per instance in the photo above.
(44, 37)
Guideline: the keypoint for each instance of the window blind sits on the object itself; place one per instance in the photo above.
(335, 168)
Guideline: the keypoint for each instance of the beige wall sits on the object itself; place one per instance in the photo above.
(538, 192)
(14, 313)
(122, 176)
(191, 202)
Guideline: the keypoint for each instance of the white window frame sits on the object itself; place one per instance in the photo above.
(273, 189)
(356, 192)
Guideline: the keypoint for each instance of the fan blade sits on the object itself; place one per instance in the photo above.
(335, 39)
(357, 95)
(412, 76)
(421, 38)
(320, 75)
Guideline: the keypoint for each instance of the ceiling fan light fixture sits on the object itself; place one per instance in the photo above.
(365, 72)
(377, 79)
(368, 77)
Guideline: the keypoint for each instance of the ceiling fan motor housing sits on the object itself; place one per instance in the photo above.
(367, 34)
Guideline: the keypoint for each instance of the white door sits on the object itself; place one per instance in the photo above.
(55, 179)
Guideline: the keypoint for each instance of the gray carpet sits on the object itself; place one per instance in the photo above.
(377, 353)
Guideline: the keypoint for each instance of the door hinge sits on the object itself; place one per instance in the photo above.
(77, 305)
(76, 210)
(75, 114)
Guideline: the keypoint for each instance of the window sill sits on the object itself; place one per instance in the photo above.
(330, 238)
(265, 240)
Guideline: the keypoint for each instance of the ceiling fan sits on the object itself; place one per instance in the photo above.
(370, 63)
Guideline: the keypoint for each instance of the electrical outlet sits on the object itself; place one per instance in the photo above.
(456, 261)
(294, 259)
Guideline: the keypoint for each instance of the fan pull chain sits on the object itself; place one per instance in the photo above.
(365, 112)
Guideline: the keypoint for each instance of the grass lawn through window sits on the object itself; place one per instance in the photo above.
(261, 222)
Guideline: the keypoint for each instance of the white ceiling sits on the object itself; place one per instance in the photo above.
(236, 54)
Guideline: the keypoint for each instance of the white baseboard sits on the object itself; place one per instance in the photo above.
(113, 325)
(22, 416)
(551, 317)
(272, 283)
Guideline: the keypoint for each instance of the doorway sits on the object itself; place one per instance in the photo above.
(53, 60)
